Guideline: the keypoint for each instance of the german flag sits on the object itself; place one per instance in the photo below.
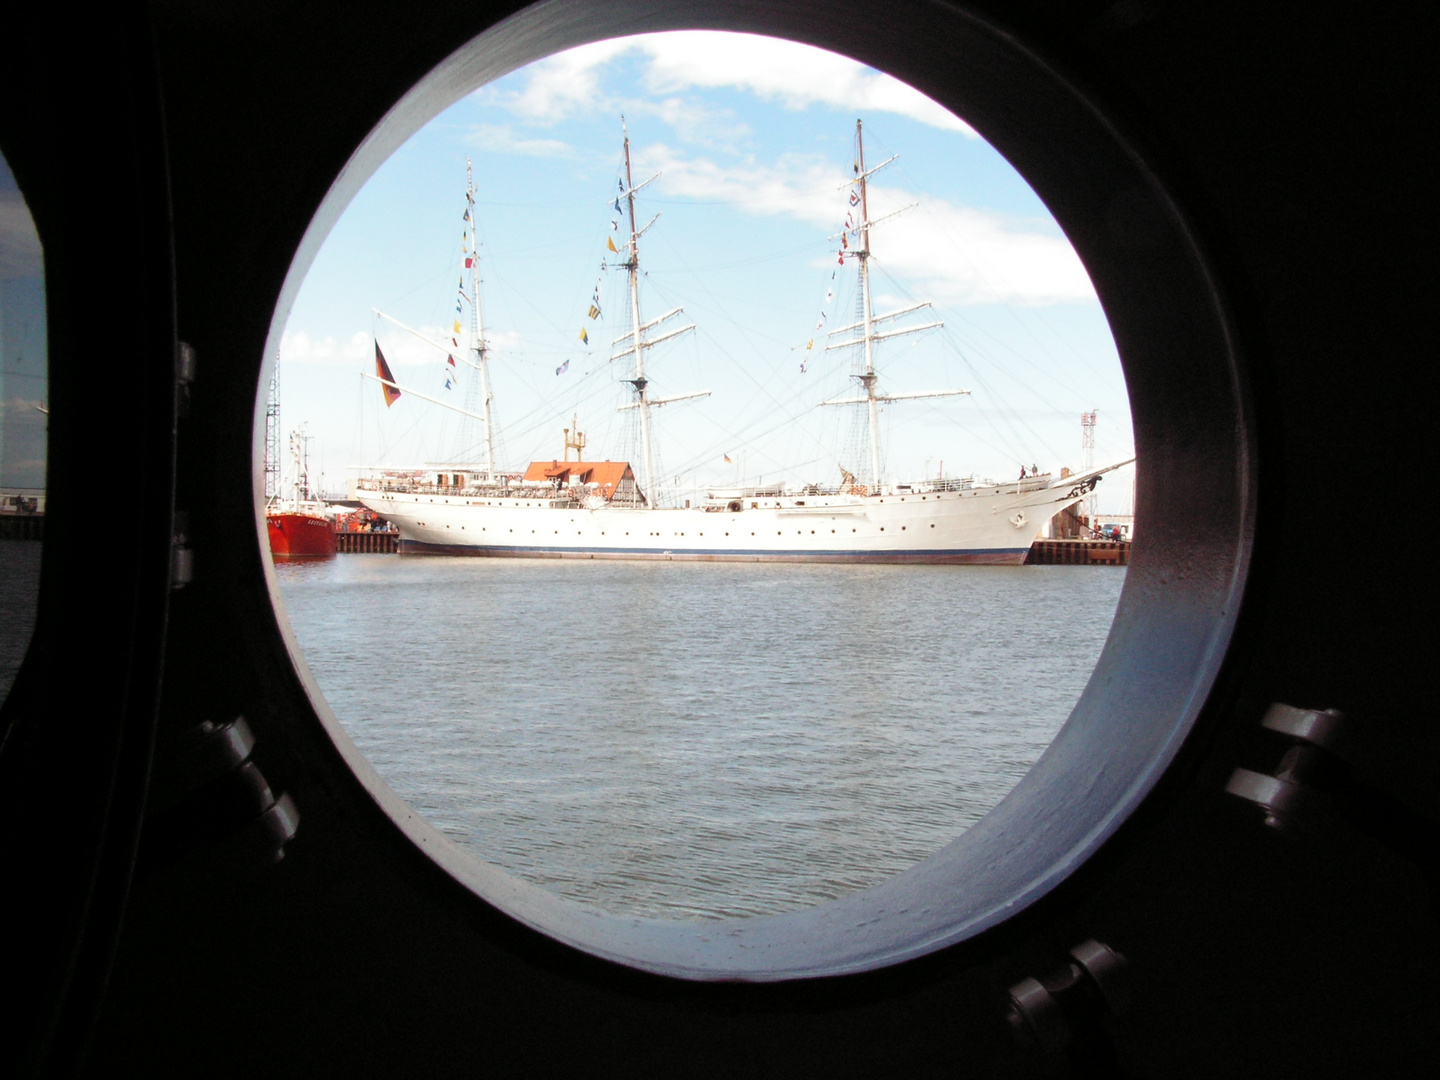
(382, 370)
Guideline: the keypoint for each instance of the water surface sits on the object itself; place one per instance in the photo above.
(699, 739)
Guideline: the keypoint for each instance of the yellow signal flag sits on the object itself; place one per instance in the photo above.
(809, 344)
(609, 243)
(594, 312)
(584, 336)
(457, 326)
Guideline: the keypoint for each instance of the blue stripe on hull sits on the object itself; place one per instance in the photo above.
(978, 556)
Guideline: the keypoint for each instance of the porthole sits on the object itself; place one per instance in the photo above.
(1194, 451)
(24, 415)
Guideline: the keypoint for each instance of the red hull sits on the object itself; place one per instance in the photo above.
(300, 536)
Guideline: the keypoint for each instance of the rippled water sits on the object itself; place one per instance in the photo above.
(699, 739)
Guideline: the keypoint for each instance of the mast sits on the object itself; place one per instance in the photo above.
(478, 344)
(868, 334)
(272, 437)
(300, 464)
(643, 401)
(639, 381)
(868, 378)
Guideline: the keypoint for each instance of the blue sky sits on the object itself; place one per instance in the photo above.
(753, 140)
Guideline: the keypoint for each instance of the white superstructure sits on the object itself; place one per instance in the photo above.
(938, 522)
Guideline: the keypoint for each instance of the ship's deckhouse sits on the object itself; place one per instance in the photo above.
(613, 480)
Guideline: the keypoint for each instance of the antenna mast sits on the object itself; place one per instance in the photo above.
(577, 442)
(300, 463)
(1087, 447)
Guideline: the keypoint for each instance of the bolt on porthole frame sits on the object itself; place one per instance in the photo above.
(1195, 480)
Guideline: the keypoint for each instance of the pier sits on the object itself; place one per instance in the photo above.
(1079, 553)
(366, 543)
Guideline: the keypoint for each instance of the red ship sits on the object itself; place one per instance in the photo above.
(299, 533)
(300, 526)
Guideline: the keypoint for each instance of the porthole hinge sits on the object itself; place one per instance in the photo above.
(1310, 768)
(184, 376)
(208, 794)
(1316, 785)
(1066, 1009)
(182, 556)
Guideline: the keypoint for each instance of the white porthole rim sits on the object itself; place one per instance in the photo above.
(1088, 781)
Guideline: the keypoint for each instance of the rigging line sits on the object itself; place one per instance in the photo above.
(720, 310)
(996, 411)
(447, 268)
(1029, 387)
(1014, 411)
(577, 201)
(978, 436)
(727, 441)
(988, 415)
(1004, 415)
(1051, 374)
(546, 409)
(744, 434)
(543, 314)
(789, 253)
(799, 421)
(949, 309)
(763, 387)
(428, 283)
(402, 436)
(1032, 308)
(1036, 312)
(540, 433)
(750, 440)
(531, 424)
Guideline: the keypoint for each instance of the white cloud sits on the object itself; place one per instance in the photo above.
(959, 255)
(499, 139)
(401, 349)
(300, 348)
(564, 83)
(797, 75)
(954, 254)
(692, 121)
(800, 186)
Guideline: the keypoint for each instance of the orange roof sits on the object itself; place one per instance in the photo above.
(605, 473)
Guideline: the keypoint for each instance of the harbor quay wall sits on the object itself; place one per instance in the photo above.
(366, 543)
(22, 526)
(1079, 553)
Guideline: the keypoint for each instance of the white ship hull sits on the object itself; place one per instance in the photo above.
(993, 524)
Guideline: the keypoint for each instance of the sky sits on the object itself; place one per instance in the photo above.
(753, 141)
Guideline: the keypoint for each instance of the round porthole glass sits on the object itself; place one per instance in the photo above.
(535, 329)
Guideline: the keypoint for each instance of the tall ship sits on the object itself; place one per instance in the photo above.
(602, 509)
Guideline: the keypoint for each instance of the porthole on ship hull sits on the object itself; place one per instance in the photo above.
(1178, 607)
(24, 413)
